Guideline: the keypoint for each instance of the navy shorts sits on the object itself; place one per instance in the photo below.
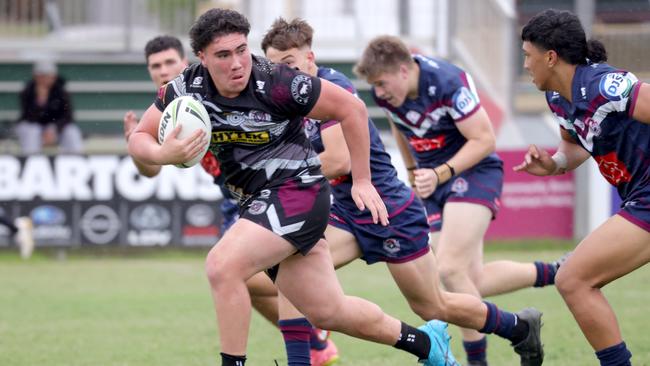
(636, 207)
(296, 209)
(481, 185)
(404, 239)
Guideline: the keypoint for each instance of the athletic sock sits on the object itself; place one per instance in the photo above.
(476, 350)
(230, 360)
(318, 339)
(617, 355)
(296, 334)
(545, 274)
(504, 324)
(414, 341)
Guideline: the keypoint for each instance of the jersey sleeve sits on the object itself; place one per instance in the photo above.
(168, 92)
(294, 92)
(460, 96)
(620, 90)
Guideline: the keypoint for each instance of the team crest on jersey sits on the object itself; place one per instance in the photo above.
(391, 245)
(460, 185)
(432, 90)
(464, 101)
(413, 116)
(197, 82)
(257, 207)
(615, 86)
(301, 89)
(260, 86)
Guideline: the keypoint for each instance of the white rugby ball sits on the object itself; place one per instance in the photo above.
(192, 115)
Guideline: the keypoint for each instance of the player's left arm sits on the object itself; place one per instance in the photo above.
(481, 141)
(335, 103)
(641, 105)
(335, 160)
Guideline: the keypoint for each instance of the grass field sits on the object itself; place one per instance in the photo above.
(155, 309)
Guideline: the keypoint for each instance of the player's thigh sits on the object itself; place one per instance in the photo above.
(309, 281)
(463, 227)
(417, 279)
(614, 249)
(248, 248)
(343, 246)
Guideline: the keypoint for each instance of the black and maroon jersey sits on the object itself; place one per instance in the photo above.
(257, 136)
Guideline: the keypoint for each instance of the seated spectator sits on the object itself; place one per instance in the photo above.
(46, 113)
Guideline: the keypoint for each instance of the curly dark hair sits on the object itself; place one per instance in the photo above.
(216, 23)
(562, 32)
(163, 43)
(284, 35)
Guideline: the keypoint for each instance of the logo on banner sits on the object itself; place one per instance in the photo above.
(200, 215)
(100, 224)
(150, 216)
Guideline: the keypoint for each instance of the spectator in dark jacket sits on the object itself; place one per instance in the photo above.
(46, 113)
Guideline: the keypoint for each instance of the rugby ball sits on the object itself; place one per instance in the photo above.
(191, 115)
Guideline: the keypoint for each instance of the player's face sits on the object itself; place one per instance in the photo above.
(391, 86)
(536, 63)
(165, 65)
(229, 62)
(297, 58)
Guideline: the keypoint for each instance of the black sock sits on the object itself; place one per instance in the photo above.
(414, 341)
(230, 360)
(520, 331)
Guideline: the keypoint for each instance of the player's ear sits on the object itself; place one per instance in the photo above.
(310, 56)
(201, 57)
(551, 58)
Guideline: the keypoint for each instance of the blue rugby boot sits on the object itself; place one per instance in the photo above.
(440, 353)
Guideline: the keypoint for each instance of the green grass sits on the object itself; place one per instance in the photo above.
(155, 309)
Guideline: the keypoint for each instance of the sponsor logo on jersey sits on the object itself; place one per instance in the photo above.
(464, 101)
(257, 207)
(432, 90)
(260, 86)
(254, 138)
(301, 89)
(615, 86)
(391, 245)
(613, 169)
(427, 144)
(197, 82)
(460, 185)
(583, 92)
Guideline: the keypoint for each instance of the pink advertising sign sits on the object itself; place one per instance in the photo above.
(533, 207)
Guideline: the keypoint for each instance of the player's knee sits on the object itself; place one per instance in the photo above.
(217, 269)
(325, 317)
(450, 272)
(566, 283)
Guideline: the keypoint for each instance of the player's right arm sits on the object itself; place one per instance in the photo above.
(402, 145)
(130, 123)
(569, 156)
(144, 147)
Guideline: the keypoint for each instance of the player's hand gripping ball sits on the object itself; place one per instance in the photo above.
(191, 115)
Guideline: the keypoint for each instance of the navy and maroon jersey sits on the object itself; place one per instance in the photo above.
(384, 177)
(257, 137)
(599, 118)
(446, 97)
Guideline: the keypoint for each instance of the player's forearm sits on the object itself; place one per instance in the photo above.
(144, 149)
(575, 155)
(147, 170)
(472, 153)
(357, 137)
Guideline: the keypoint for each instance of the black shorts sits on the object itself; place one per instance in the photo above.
(296, 209)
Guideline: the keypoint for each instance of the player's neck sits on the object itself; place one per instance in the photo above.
(564, 80)
(414, 81)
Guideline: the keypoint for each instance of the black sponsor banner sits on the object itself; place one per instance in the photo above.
(100, 200)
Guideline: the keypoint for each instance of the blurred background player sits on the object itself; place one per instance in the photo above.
(447, 144)
(165, 60)
(46, 113)
(351, 234)
(283, 196)
(22, 231)
(603, 112)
